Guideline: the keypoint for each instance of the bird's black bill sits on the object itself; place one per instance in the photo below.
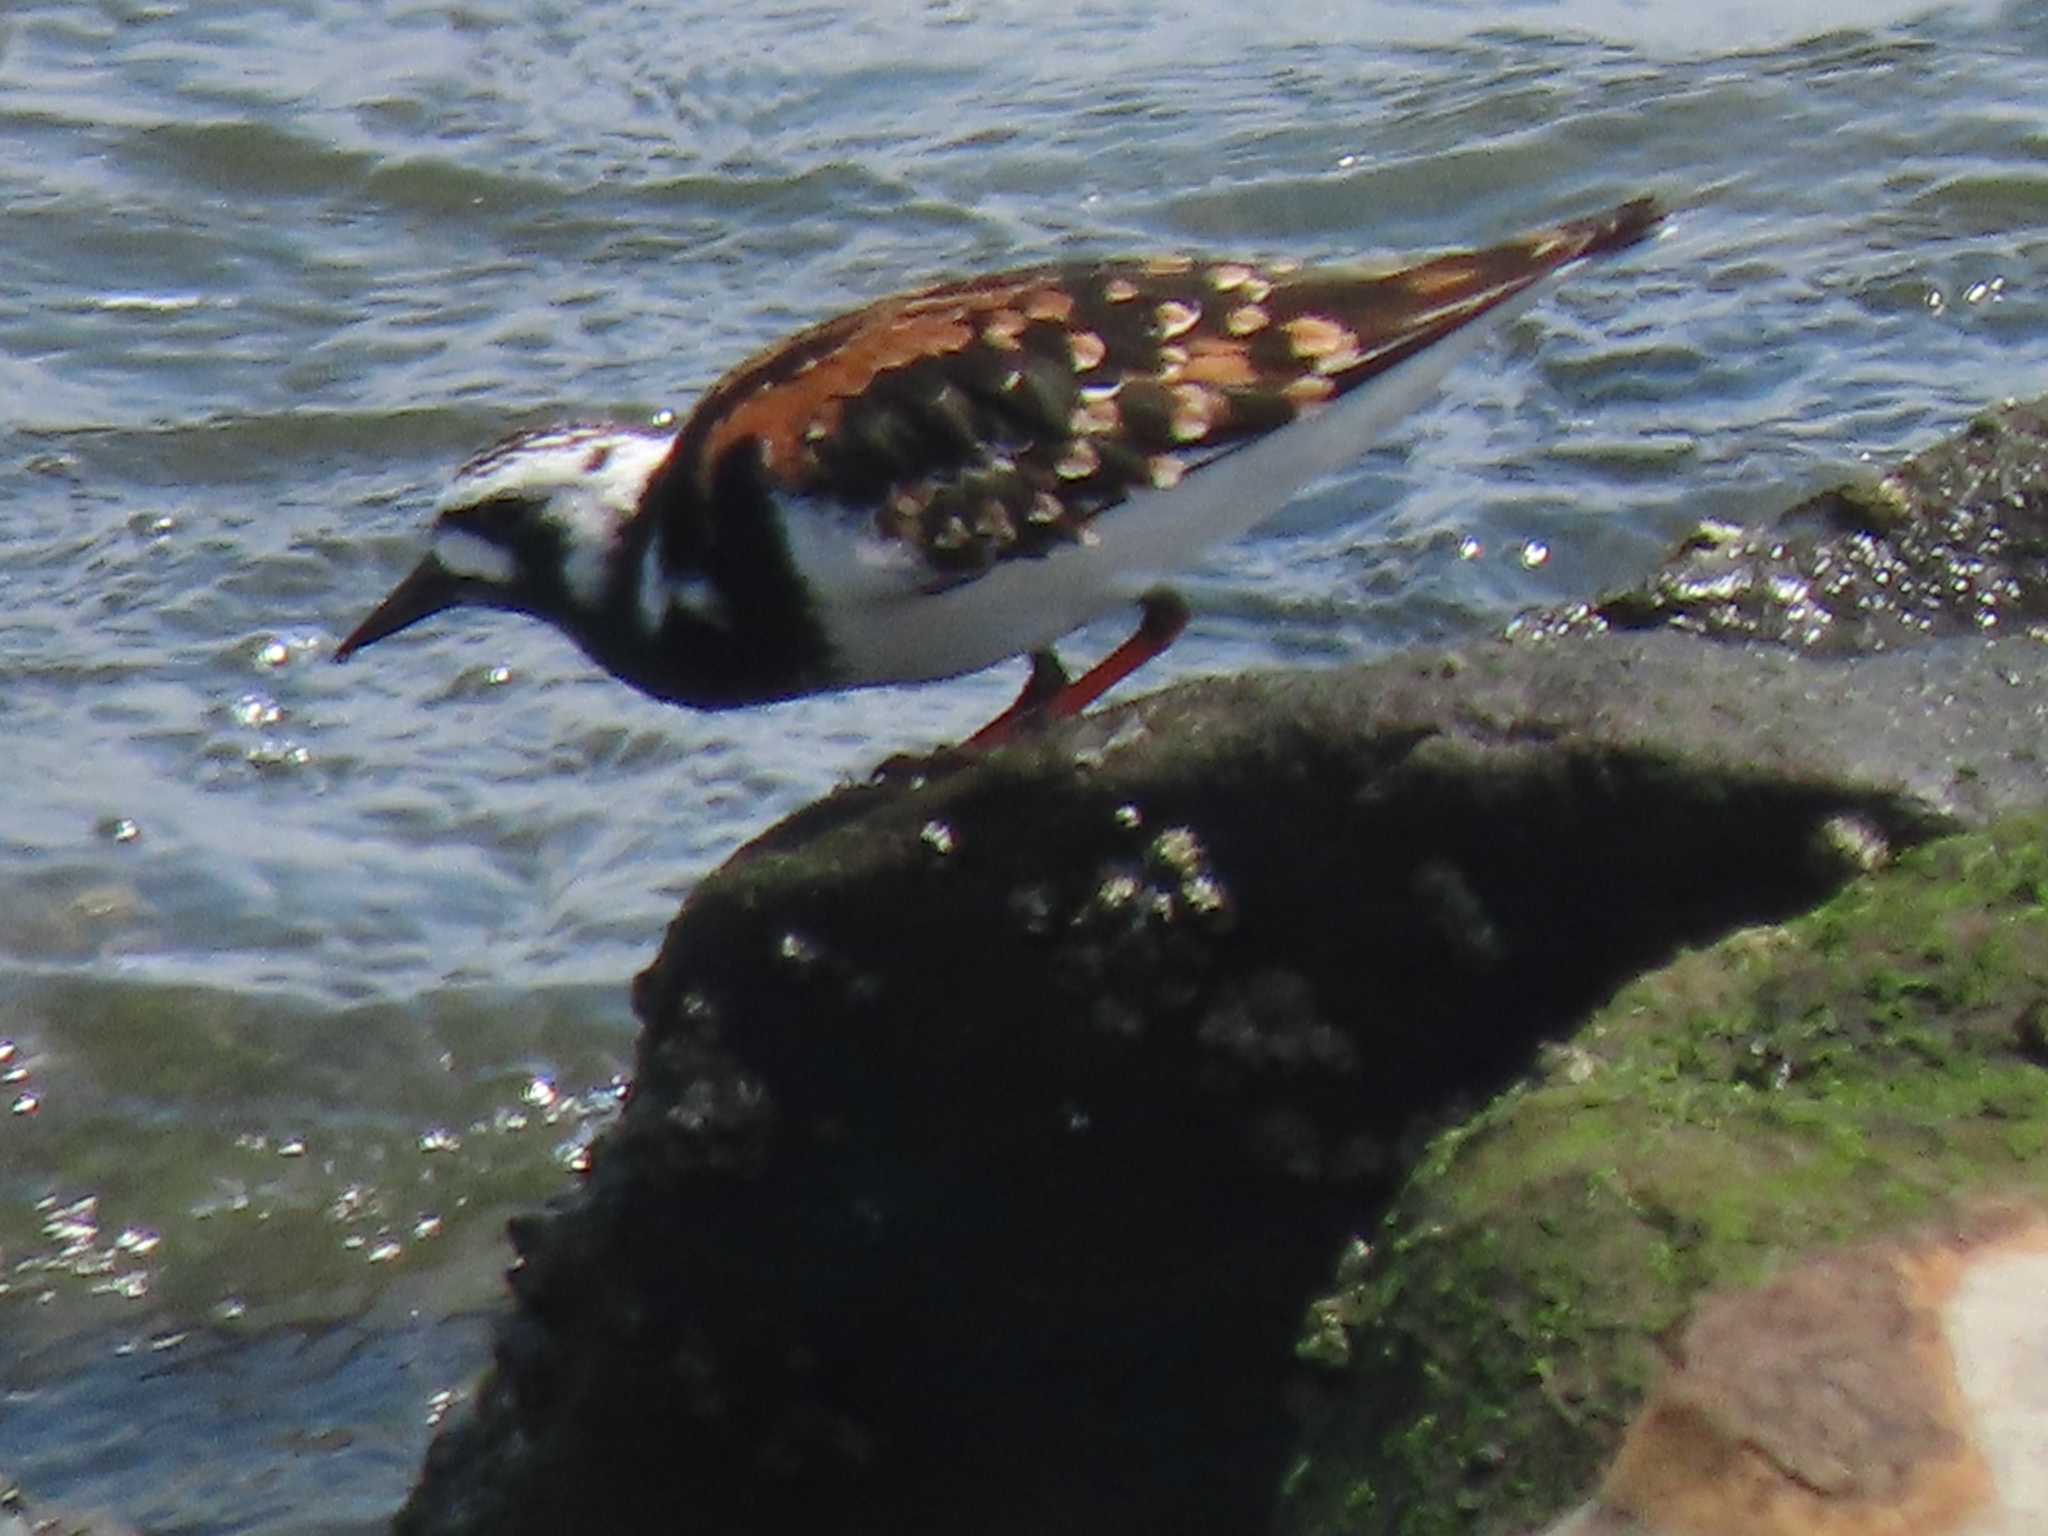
(427, 591)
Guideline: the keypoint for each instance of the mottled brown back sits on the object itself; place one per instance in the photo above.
(989, 419)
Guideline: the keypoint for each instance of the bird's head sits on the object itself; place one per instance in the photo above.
(537, 524)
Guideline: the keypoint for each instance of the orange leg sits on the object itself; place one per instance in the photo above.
(1048, 680)
(1050, 695)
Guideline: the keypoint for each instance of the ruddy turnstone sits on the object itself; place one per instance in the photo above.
(963, 474)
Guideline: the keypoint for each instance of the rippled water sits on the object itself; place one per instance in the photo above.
(308, 974)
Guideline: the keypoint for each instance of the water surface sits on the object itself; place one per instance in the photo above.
(309, 974)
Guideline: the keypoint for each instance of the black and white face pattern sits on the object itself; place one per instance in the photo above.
(538, 521)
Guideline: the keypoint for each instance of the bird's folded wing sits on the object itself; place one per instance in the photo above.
(987, 420)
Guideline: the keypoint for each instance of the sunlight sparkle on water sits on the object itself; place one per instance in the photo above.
(281, 649)
(256, 709)
(151, 303)
(130, 1285)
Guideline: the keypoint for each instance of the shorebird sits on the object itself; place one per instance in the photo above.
(951, 477)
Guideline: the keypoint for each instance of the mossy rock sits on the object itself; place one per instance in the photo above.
(1864, 1066)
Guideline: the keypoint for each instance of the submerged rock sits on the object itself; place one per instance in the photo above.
(992, 1137)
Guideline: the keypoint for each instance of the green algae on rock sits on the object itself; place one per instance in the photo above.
(1866, 1065)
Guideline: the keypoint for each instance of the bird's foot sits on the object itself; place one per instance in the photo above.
(1050, 695)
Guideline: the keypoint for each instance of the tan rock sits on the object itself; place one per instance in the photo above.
(1893, 1389)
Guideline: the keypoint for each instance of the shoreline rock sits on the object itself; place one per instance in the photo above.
(1895, 1386)
(1875, 1063)
(992, 1139)
(1953, 543)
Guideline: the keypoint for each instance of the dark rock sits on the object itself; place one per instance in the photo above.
(1952, 542)
(989, 1138)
